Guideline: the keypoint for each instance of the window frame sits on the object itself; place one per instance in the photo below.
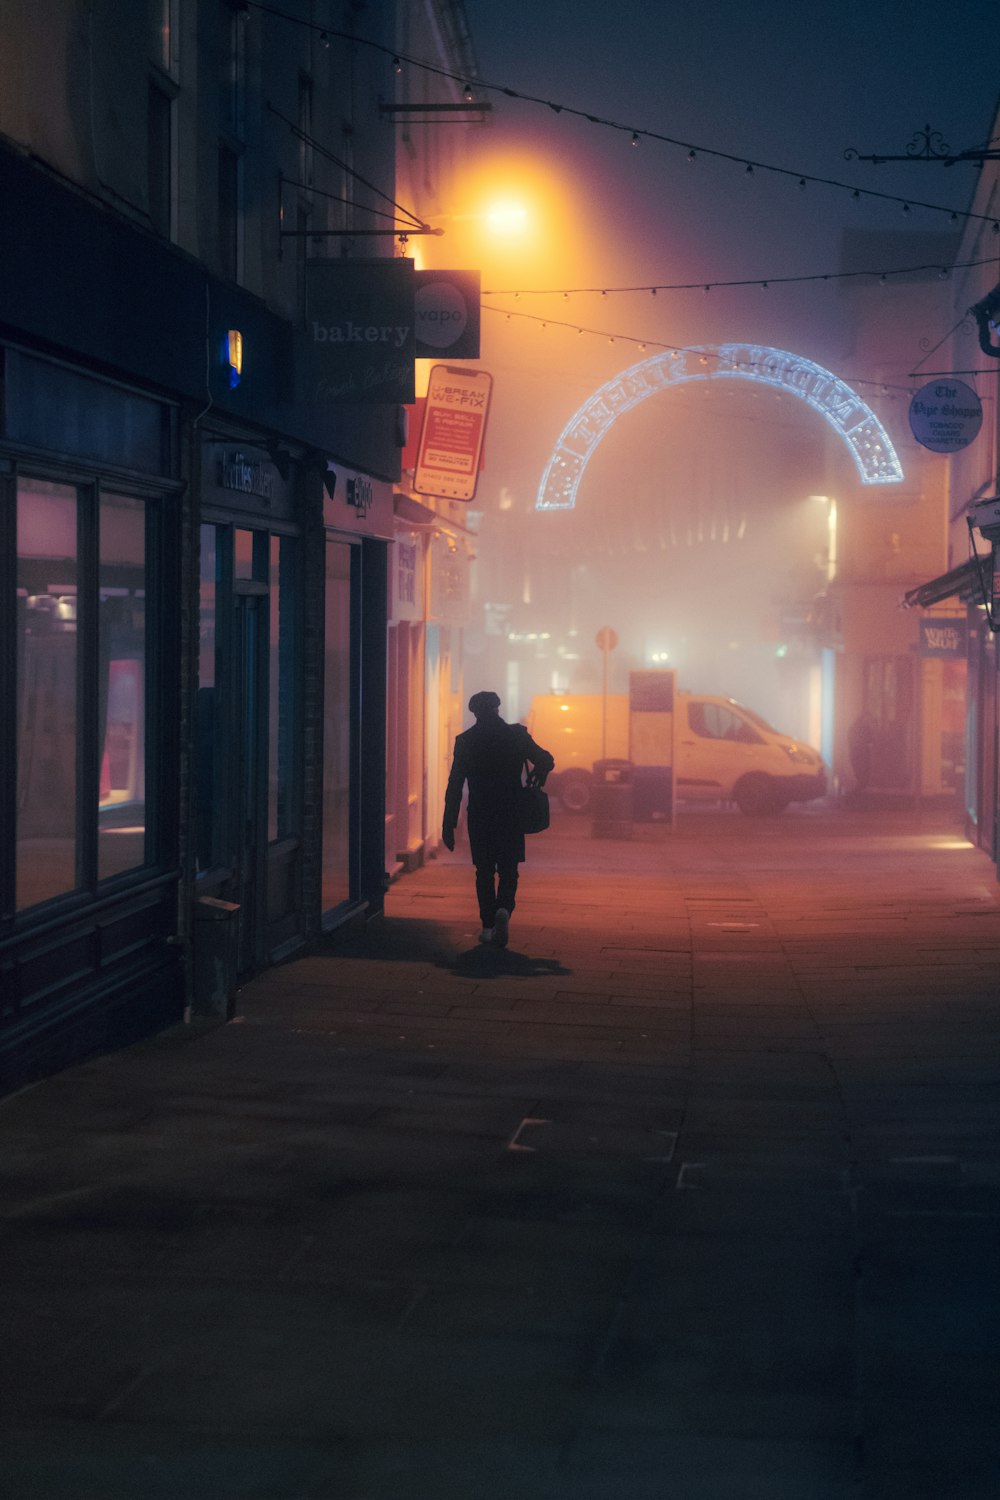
(159, 679)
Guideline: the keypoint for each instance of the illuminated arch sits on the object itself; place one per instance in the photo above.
(855, 423)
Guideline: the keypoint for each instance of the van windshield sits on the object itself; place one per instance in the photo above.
(755, 718)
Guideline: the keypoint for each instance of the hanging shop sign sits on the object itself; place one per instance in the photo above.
(359, 331)
(453, 432)
(446, 309)
(945, 415)
(406, 576)
(943, 635)
(358, 503)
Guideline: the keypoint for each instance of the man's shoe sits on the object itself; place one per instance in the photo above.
(486, 936)
(502, 928)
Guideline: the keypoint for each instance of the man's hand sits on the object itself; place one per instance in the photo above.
(448, 838)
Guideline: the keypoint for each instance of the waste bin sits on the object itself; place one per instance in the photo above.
(611, 800)
(652, 794)
(216, 932)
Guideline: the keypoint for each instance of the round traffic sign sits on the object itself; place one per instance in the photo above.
(607, 639)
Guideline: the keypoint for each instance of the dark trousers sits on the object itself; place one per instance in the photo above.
(496, 886)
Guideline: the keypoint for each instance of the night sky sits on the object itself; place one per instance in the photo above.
(781, 84)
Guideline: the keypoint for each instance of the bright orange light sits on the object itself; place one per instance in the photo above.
(507, 217)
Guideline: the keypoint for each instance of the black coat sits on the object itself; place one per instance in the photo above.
(489, 756)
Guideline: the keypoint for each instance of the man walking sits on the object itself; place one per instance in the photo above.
(490, 756)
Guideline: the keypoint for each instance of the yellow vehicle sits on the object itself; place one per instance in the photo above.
(724, 751)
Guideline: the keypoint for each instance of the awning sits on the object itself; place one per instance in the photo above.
(964, 582)
(417, 514)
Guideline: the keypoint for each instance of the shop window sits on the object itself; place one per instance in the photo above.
(251, 558)
(121, 695)
(282, 780)
(337, 727)
(81, 671)
(208, 806)
(48, 708)
(888, 698)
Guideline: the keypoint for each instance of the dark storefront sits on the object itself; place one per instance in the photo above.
(964, 585)
(89, 592)
(193, 594)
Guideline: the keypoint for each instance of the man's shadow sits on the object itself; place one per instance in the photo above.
(416, 940)
(486, 961)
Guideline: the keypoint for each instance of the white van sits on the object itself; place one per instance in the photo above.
(725, 751)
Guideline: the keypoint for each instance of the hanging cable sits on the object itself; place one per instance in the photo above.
(693, 149)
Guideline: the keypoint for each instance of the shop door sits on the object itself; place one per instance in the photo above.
(248, 783)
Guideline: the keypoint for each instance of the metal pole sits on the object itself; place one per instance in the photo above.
(604, 707)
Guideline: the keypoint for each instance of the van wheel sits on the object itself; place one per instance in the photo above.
(574, 792)
(756, 797)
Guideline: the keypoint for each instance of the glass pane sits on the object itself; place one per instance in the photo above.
(243, 554)
(121, 685)
(47, 708)
(337, 726)
(282, 820)
(207, 807)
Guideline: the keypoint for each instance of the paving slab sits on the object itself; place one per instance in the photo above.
(693, 1190)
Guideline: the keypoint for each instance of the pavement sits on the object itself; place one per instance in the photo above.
(692, 1193)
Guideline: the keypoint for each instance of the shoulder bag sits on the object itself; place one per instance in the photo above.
(532, 805)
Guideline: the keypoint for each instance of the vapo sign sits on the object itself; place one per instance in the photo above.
(446, 313)
(945, 415)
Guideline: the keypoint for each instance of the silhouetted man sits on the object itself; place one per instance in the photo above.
(490, 756)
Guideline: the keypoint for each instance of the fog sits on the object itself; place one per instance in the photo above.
(697, 536)
(694, 535)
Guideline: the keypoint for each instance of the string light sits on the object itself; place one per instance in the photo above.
(397, 66)
(692, 148)
(635, 139)
(693, 286)
(674, 350)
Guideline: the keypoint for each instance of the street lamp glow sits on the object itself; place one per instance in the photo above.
(507, 217)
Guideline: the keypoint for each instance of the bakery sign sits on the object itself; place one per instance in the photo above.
(360, 331)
